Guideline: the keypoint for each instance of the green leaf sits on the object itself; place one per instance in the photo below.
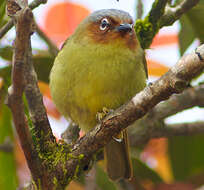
(103, 181)
(5, 73)
(42, 64)
(143, 172)
(186, 34)
(196, 16)
(2, 10)
(186, 155)
(6, 53)
(8, 178)
(192, 27)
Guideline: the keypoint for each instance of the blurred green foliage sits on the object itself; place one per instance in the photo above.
(192, 24)
(8, 178)
(187, 156)
(2, 12)
(103, 181)
(143, 172)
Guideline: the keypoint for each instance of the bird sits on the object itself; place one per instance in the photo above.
(101, 65)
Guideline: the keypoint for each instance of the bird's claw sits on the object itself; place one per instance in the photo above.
(101, 115)
(119, 138)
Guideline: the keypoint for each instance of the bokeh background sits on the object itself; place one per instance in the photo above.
(58, 19)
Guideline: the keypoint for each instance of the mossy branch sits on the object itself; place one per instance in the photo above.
(160, 15)
(24, 80)
(23, 28)
(146, 29)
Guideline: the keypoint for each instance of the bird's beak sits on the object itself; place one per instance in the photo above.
(124, 27)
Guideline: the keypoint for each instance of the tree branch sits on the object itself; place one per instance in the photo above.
(139, 9)
(71, 134)
(191, 97)
(15, 92)
(152, 125)
(168, 130)
(181, 129)
(42, 130)
(146, 29)
(24, 79)
(160, 129)
(160, 15)
(10, 23)
(29, 81)
(6, 28)
(174, 13)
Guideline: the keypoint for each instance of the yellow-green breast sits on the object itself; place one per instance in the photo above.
(87, 77)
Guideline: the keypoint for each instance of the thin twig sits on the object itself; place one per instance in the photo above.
(153, 123)
(160, 129)
(174, 13)
(139, 9)
(9, 24)
(52, 47)
(36, 3)
(6, 28)
(191, 97)
(160, 15)
(182, 129)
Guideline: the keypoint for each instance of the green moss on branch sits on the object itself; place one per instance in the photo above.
(146, 29)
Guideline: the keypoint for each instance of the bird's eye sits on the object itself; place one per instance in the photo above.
(104, 24)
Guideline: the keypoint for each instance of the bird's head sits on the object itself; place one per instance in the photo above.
(108, 26)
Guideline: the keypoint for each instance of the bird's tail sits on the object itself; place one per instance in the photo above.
(117, 158)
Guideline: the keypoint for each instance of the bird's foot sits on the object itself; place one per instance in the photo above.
(119, 138)
(101, 115)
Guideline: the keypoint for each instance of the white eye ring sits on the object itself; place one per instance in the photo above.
(104, 24)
